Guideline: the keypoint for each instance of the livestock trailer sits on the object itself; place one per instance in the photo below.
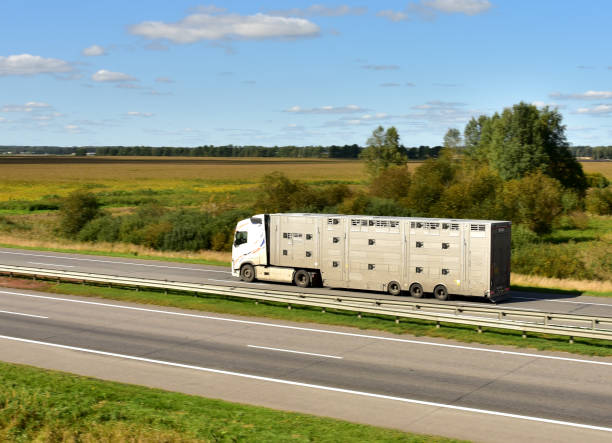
(393, 254)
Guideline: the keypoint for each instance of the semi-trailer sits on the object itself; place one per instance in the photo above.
(398, 255)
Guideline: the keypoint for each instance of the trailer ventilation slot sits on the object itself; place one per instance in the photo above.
(333, 221)
(336, 239)
(445, 271)
(335, 264)
(308, 236)
(419, 244)
(371, 267)
(284, 252)
(308, 254)
(371, 241)
(477, 228)
(445, 245)
(418, 269)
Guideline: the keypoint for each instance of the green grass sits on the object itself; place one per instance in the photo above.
(227, 305)
(50, 406)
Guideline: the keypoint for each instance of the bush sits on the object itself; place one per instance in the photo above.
(556, 261)
(392, 183)
(534, 200)
(522, 236)
(599, 201)
(101, 229)
(597, 180)
(76, 210)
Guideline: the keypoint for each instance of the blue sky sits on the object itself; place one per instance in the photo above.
(183, 73)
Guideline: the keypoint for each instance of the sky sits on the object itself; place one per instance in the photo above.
(182, 73)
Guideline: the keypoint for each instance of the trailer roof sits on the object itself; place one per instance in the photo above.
(390, 217)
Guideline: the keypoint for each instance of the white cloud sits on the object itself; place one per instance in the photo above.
(326, 110)
(468, 7)
(140, 114)
(588, 95)
(541, 104)
(394, 16)
(203, 26)
(596, 110)
(93, 51)
(164, 80)
(428, 9)
(28, 107)
(390, 85)
(73, 128)
(111, 77)
(26, 64)
(320, 10)
(381, 67)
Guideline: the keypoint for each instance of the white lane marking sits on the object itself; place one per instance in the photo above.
(241, 282)
(112, 261)
(294, 352)
(609, 305)
(313, 386)
(320, 331)
(49, 264)
(19, 313)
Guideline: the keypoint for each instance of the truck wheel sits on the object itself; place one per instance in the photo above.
(247, 273)
(416, 290)
(301, 278)
(394, 288)
(441, 293)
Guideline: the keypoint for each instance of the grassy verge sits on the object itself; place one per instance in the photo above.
(227, 305)
(41, 405)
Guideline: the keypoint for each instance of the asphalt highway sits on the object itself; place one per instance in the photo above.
(183, 272)
(569, 395)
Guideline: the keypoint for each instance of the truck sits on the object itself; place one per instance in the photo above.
(398, 255)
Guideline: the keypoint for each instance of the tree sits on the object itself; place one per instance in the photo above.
(524, 140)
(77, 210)
(452, 138)
(383, 150)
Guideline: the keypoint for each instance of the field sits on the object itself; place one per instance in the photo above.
(31, 188)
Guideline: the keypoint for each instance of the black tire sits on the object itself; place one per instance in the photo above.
(247, 273)
(394, 288)
(416, 290)
(301, 278)
(441, 293)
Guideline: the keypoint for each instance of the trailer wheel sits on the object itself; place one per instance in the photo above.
(394, 288)
(301, 278)
(416, 290)
(441, 293)
(247, 273)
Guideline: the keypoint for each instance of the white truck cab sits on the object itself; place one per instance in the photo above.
(249, 245)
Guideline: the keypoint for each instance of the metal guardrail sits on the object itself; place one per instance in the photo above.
(570, 325)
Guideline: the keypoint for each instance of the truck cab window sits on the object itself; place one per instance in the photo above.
(241, 237)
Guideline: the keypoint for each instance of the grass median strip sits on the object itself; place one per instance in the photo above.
(235, 306)
(43, 405)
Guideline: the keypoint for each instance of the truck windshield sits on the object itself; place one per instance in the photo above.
(241, 237)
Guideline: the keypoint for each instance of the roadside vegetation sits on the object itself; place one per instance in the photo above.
(515, 165)
(51, 406)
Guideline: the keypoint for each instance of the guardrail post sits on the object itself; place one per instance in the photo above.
(437, 325)
(479, 329)
(359, 315)
(323, 311)
(289, 307)
(524, 334)
(397, 320)
(571, 340)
